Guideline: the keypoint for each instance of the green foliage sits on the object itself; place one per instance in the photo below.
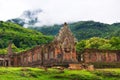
(26, 73)
(48, 30)
(103, 65)
(81, 46)
(95, 42)
(3, 51)
(85, 29)
(22, 38)
(99, 43)
(18, 21)
(106, 46)
(115, 42)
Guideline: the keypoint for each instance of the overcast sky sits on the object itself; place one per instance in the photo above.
(59, 11)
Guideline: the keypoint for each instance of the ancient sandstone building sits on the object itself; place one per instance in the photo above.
(61, 51)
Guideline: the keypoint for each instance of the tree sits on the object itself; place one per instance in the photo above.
(80, 46)
(95, 42)
(115, 42)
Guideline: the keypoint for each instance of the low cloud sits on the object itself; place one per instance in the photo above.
(59, 11)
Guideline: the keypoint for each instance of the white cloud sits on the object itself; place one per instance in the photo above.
(59, 11)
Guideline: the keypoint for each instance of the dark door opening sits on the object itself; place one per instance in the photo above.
(1, 62)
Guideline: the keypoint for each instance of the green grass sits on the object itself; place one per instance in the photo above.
(27, 73)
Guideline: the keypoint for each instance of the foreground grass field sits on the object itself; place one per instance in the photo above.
(10, 73)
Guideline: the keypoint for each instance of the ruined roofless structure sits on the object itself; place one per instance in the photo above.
(61, 51)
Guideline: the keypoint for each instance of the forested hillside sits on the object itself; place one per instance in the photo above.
(90, 34)
(21, 38)
(85, 29)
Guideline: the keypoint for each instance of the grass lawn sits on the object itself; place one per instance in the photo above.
(27, 73)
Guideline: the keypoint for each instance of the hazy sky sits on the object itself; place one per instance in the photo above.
(59, 11)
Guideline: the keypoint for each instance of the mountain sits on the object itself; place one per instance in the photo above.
(81, 29)
(22, 38)
(84, 29)
(28, 18)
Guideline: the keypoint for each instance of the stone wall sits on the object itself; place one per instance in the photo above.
(61, 51)
(45, 55)
(94, 55)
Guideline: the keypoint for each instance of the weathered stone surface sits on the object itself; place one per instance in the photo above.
(81, 66)
(90, 68)
(75, 66)
(10, 48)
(93, 55)
(65, 45)
(61, 51)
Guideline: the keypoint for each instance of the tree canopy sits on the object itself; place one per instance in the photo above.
(84, 29)
(99, 43)
(21, 37)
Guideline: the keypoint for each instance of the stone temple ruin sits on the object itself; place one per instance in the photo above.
(60, 52)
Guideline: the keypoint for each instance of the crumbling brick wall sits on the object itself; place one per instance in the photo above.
(94, 55)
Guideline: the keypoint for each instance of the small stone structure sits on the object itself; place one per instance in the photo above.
(75, 66)
(90, 68)
(81, 66)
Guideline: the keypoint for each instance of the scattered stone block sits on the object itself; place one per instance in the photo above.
(90, 68)
(75, 66)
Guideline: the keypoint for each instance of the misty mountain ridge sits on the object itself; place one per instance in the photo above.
(36, 19)
(84, 29)
(28, 18)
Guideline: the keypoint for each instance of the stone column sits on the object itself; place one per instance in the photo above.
(4, 62)
(9, 62)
